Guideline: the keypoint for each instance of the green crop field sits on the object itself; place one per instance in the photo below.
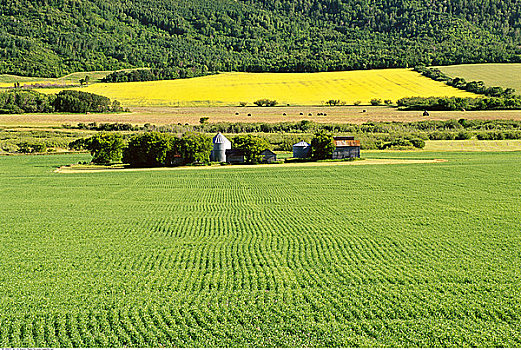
(507, 75)
(421, 255)
(73, 78)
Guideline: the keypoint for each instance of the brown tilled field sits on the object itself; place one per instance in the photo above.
(191, 115)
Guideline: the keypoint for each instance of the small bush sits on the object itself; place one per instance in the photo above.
(26, 147)
(463, 135)
(491, 135)
(512, 135)
(417, 143)
(441, 135)
(265, 102)
(376, 102)
(336, 103)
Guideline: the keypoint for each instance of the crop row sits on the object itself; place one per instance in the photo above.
(395, 255)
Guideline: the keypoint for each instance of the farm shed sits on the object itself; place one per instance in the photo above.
(301, 150)
(268, 156)
(346, 147)
(235, 156)
(220, 145)
(177, 159)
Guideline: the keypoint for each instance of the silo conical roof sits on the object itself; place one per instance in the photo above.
(220, 138)
(302, 144)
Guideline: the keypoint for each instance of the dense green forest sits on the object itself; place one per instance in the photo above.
(54, 37)
(19, 101)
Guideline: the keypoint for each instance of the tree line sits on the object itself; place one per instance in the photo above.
(306, 126)
(18, 101)
(52, 38)
(155, 74)
(459, 103)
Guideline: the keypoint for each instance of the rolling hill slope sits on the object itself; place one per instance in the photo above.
(504, 75)
(229, 89)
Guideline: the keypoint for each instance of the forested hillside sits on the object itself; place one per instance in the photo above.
(54, 37)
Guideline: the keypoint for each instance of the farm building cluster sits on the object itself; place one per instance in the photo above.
(345, 147)
(222, 152)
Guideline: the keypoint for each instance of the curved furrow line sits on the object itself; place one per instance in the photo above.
(138, 261)
(195, 330)
(203, 318)
(61, 332)
(15, 331)
(174, 331)
(183, 270)
(39, 331)
(26, 331)
(85, 331)
(167, 326)
(105, 335)
(4, 332)
(121, 336)
(138, 338)
(156, 336)
(372, 264)
(73, 334)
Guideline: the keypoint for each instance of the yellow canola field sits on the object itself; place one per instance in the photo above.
(228, 89)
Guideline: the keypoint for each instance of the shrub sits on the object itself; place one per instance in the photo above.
(322, 146)
(376, 102)
(441, 135)
(265, 102)
(512, 135)
(105, 148)
(417, 143)
(26, 147)
(491, 135)
(195, 148)
(463, 135)
(150, 149)
(398, 143)
(288, 141)
(333, 102)
(252, 146)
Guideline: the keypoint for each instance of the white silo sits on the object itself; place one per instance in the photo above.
(220, 145)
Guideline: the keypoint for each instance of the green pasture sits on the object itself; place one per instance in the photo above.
(506, 75)
(73, 78)
(417, 255)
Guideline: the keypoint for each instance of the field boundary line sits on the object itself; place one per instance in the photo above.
(68, 169)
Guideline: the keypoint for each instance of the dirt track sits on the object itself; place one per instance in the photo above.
(90, 169)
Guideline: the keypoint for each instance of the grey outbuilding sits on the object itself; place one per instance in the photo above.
(346, 147)
(268, 156)
(301, 150)
(235, 156)
(220, 145)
